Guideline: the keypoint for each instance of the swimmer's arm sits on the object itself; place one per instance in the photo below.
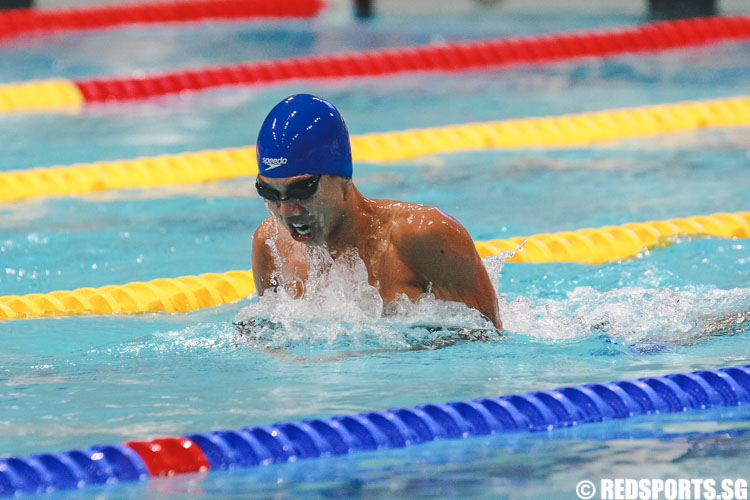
(441, 252)
(263, 263)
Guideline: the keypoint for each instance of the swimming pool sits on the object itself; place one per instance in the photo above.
(80, 381)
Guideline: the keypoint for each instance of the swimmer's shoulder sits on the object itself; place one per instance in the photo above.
(415, 227)
(406, 213)
(262, 257)
(414, 222)
(265, 230)
(269, 234)
(270, 230)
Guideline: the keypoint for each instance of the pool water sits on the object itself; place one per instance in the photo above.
(80, 381)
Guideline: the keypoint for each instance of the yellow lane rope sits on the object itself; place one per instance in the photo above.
(567, 130)
(182, 168)
(41, 95)
(587, 246)
(611, 243)
(171, 295)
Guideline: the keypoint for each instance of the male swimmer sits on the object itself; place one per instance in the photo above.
(305, 176)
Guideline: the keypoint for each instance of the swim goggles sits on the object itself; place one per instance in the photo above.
(299, 190)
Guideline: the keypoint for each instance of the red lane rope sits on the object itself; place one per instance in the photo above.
(649, 37)
(18, 21)
(171, 455)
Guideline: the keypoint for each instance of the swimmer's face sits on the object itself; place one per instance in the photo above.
(307, 205)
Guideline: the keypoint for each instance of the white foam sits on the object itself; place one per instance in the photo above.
(200, 338)
(339, 308)
(632, 314)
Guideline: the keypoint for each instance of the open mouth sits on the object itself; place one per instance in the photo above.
(301, 232)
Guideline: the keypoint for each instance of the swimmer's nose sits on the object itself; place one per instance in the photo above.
(289, 208)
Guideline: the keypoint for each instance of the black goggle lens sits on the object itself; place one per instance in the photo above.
(299, 190)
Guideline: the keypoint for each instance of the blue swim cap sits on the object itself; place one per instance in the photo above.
(304, 134)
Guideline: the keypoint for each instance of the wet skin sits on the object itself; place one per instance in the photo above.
(407, 248)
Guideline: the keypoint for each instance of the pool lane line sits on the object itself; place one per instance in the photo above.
(41, 95)
(24, 22)
(569, 130)
(450, 56)
(145, 172)
(615, 243)
(188, 293)
(537, 411)
(170, 295)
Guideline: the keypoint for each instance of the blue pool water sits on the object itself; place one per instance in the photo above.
(75, 382)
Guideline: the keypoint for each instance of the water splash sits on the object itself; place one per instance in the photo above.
(198, 339)
(341, 311)
(633, 314)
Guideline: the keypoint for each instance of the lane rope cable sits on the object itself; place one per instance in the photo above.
(188, 293)
(212, 165)
(452, 56)
(538, 411)
(23, 22)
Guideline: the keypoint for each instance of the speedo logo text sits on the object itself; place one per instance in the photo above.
(273, 162)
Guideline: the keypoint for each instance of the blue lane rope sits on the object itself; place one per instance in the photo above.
(394, 428)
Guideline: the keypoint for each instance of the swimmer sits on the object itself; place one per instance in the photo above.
(305, 176)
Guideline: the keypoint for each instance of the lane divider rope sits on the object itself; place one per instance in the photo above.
(566, 130)
(170, 295)
(213, 165)
(184, 168)
(613, 243)
(539, 411)
(188, 293)
(454, 56)
(42, 95)
(24, 21)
